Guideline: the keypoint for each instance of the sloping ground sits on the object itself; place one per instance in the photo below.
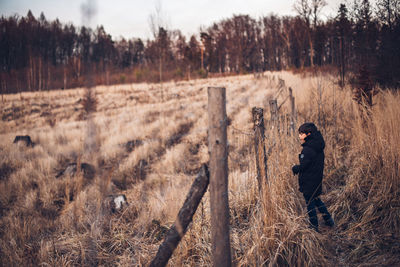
(151, 140)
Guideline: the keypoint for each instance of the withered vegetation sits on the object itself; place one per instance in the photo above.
(150, 150)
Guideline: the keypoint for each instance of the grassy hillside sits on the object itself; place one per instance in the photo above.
(148, 142)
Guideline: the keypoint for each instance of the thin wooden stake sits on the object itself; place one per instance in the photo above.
(185, 216)
(259, 144)
(217, 145)
(293, 112)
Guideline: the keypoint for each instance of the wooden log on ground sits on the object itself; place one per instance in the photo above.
(259, 144)
(219, 205)
(185, 216)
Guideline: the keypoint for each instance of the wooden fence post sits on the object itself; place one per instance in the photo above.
(273, 105)
(261, 158)
(185, 216)
(293, 111)
(219, 205)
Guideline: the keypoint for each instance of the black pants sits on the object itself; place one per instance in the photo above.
(312, 204)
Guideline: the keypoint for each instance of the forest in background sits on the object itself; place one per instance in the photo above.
(361, 43)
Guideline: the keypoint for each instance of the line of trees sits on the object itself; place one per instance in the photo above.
(37, 54)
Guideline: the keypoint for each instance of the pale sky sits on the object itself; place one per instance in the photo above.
(130, 18)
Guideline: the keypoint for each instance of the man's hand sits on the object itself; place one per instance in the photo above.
(296, 169)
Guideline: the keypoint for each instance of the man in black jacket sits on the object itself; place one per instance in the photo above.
(311, 170)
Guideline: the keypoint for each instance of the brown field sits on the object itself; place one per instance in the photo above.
(49, 221)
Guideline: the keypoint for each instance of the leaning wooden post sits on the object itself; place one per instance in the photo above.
(185, 216)
(293, 112)
(217, 145)
(259, 144)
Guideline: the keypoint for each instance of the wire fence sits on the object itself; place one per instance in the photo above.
(240, 140)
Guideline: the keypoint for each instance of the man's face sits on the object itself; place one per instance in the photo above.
(303, 136)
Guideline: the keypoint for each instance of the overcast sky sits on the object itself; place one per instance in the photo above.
(130, 18)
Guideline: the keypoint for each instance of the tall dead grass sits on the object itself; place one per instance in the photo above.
(368, 206)
(61, 222)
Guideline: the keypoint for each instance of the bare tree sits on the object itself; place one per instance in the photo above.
(388, 11)
(303, 9)
(317, 6)
(343, 30)
(309, 10)
(158, 28)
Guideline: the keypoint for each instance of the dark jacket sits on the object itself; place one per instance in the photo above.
(311, 168)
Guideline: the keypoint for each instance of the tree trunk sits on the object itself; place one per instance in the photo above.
(40, 75)
(342, 63)
(17, 82)
(293, 112)
(65, 77)
(48, 76)
(311, 48)
(107, 74)
(3, 86)
(161, 81)
(27, 78)
(32, 71)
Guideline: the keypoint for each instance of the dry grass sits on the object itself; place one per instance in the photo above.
(62, 222)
